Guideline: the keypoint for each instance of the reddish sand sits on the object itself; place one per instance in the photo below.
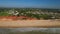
(6, 23)
(17, 18)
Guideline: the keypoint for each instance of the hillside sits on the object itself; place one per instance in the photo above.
(36, 13)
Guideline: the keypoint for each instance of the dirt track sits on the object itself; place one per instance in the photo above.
(29, 23)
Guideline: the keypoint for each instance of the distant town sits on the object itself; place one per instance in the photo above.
(30, 13)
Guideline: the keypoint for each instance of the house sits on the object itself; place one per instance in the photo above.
(13, 12)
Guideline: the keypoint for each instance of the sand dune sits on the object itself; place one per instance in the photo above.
(6, 23)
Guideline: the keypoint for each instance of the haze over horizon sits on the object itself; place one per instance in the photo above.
(30, 3)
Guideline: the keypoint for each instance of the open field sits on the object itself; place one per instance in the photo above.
(7, 23)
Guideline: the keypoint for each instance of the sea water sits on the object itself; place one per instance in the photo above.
(47, 30)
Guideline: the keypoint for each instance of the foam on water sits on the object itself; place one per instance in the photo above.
(53, 30)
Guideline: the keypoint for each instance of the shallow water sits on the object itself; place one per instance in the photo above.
(52, 30)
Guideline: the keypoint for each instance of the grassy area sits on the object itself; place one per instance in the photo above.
(4, 14)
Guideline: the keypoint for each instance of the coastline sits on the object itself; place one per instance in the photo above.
(8, 23)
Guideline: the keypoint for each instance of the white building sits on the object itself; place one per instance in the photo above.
(13, 12)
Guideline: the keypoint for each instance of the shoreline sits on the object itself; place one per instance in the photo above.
(29, 23)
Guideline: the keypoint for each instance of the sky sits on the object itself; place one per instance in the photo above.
(30, 3)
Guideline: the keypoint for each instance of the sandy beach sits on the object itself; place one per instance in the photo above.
(7, 23)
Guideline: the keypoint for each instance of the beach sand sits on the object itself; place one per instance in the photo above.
(9, 23)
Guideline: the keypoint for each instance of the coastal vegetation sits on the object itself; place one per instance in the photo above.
(31, 13)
